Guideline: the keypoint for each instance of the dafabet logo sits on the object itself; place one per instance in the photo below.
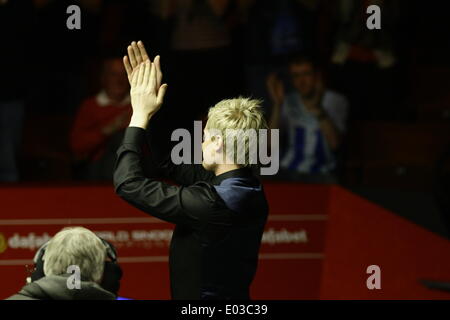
(3, 244)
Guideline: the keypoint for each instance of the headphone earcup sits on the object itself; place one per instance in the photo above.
(112, 274)
(38, 272)
(38, 260)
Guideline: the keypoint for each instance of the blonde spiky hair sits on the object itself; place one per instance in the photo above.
(238, 121)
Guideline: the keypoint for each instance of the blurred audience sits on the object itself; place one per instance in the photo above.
(99, 124)
(311, 118)
(273, 31)
(211, 50)
(364, 61)
(79, 247)
(356, 42)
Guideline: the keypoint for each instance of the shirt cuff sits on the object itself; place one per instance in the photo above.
(134, 138)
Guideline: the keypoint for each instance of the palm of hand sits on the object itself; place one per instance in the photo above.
(145, 78)
(146, 98)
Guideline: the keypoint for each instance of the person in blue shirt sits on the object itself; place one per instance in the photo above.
(311, 117)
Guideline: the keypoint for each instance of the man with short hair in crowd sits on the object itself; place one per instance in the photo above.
(78, 247)
(311, 118)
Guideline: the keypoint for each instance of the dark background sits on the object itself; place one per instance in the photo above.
(397, 148)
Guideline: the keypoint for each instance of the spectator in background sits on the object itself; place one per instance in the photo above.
(271, 32)
(355, 40)
(365, 62)
(71, 247)
(313, 120)
(100, 122)
(15, 23)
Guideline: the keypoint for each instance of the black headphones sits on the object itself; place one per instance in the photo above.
(112, 272)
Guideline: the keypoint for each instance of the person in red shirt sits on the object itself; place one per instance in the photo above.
(100, 122)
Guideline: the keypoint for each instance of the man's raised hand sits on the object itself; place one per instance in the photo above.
(136, 55)
(146, 96)
(276, 89)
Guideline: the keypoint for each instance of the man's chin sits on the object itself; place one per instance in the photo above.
(207, 166)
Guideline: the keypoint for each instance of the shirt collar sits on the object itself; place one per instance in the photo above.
(103, 100)
(241, 173)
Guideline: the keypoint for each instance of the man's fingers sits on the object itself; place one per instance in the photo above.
(147, 65)
(161, 92)
(141, 73)
(131, 56)
(152, 81)
(137, 53)
(134, 77)
(128, 68)
(142, 51)
(271, 82)
(159, 75)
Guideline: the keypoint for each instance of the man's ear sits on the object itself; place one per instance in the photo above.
(218, 143)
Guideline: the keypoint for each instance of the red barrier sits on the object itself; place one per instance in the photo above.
(292, 243)
(361, 234)
(303, 255)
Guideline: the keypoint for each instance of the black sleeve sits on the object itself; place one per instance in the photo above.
(182, 174)
(185, 174)
(159, 199)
